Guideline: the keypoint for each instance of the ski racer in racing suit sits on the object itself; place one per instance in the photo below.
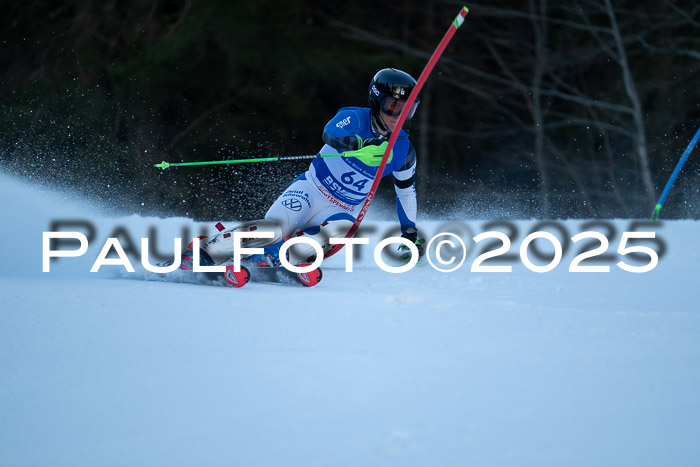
(324, 201)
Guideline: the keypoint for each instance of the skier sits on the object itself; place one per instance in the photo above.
(324, 201)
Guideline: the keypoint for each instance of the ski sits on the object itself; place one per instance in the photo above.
(279, 274)
(265, 274)
(251, 270)
(270, 271)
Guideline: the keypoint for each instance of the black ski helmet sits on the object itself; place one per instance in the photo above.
(388, 88)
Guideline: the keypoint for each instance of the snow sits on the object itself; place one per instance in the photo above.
(367, 368)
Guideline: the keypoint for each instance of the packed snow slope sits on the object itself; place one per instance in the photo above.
(368, 368)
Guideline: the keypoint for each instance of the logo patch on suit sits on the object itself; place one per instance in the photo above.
(292, 204)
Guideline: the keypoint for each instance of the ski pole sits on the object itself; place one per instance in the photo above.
(456, 23)
(164, 165)
(676, 171)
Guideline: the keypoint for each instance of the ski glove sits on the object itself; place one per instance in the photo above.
(412, 236)
(370, 151)
(361, 143)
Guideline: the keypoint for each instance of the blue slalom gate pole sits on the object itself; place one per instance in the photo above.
(675, 173)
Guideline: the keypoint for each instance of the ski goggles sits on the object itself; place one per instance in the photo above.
(393, 107)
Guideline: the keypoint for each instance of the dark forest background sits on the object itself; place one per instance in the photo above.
(573, 108)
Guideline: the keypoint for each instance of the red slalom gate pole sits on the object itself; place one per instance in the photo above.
(402, 118)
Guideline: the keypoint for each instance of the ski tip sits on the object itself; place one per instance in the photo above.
(237, 279)
(311, 278)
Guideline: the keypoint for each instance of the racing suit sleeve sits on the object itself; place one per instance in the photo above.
(405, 186)
(340, 132)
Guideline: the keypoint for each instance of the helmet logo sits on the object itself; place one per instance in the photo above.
(375, 90)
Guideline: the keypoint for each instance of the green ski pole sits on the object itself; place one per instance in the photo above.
(370, 155)
(164, 165)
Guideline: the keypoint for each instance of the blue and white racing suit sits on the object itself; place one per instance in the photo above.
(334, 188)
(325, 200)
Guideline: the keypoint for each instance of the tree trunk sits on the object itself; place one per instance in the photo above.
(631, 90)
(540, 28)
